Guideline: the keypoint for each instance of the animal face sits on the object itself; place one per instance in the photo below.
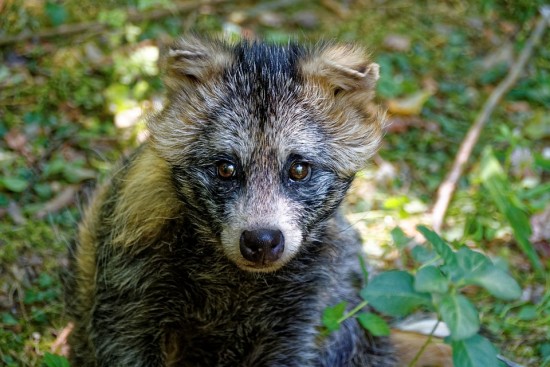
(265, 140)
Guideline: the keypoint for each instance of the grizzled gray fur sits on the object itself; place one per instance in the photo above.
(219, 241)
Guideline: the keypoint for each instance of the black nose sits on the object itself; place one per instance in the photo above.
(262, 246)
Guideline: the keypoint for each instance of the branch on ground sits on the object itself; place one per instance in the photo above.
(448, 186)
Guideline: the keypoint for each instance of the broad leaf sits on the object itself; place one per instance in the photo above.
(440, 246)
(528, 312)
(332, 315)
(8, 319)
(423, 255)
(14, 184)
(472, 261)
(450, 266)
(56, 12)
(74, 173)
(499, 283)
(399, 238)
(393, 293)
(430, 279)
(374, 323)
(475, 351)
(459, 315)
(479, 270)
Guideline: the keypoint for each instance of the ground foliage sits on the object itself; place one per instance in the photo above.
(71, 105)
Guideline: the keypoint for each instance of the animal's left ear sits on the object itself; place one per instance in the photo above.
(342, 78)
(342, 67)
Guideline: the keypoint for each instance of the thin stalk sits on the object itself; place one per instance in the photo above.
(425, 345)
(352, 312)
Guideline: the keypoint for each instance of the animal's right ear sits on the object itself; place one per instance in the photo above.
(192, 60)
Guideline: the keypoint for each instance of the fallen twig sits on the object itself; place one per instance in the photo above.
(62, 200)
(133, 16)
(448, 186)
(60, 345)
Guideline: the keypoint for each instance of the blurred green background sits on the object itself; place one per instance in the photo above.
(76, 84)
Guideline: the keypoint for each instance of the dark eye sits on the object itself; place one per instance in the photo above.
(226, 170)
(299, 171)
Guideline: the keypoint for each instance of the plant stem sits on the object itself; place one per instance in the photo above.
(352, 312)
(425, 345)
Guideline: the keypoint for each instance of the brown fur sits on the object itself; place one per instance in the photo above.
(146, 202)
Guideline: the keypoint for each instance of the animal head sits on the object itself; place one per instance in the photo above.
(264, 140)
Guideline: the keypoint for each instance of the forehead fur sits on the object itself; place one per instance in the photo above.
(267, 68)
(248, 94)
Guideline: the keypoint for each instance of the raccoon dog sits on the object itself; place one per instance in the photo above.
(219, 241)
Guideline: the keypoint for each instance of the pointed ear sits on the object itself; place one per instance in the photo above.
(342, 67)
(193, 60)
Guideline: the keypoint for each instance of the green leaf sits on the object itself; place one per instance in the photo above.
(528, 312)
(374, 323)
(440, 246)
(423, 255)
(495, 181)
(31, 296)
(45, 280)
(430, 279)
(75, 174)
(472, 261)
(460, 316)
(53, 360)
(8, 319)
(479, 270)
(43, 190)
(399, 238)
(497, 282)
(54, 167)
(332, 315)
(56, 13)
(14, 184)
(393, 293)
(475, 351)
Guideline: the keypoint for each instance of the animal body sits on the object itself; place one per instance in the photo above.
(219, 241)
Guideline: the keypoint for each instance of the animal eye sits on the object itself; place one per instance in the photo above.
(226, 170)
(299, 171)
